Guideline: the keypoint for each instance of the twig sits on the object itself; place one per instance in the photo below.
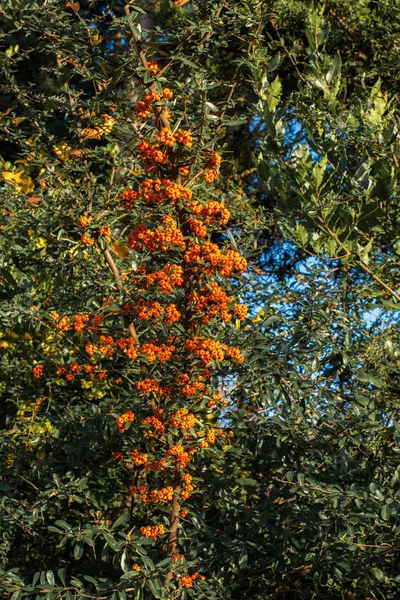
(362, 264)
(143, 60)
(16, 519)
(118, 281)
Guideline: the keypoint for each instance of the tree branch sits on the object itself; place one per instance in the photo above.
(118, 281)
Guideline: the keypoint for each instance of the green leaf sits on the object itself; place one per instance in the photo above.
(138, 9)
(63, 524)
(129, 575)
(154, 587)
(89, 541)
(273, 94)
(247, 482)
(363, 252)
(138, 592)
(334, 69)
(301, 234)
(78, 551)
(112, 542)
(120, 521)
(54, 529)
(391, 304)
(164, 562)
(235, 122)
(243, 558)
(368, 378)
(378, 574)
(186, 61)
(91, 580)
(148, 562)
(274, 62)
(62, 573)
(125, 566)
(319, 171)
(362, 400)
(330, 247)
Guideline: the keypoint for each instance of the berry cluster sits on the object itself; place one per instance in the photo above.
(226, 263)
(166, 279)
(212, 212)
(187, 486)
(152, 531)
(138, 459)
(146, 310)
(105, 232)
(206, 349)
(84, 221)
(156, 424)
(155, 191)
(166, 236)
(153, 352)
(147, 385)
(152, 155)
(37, 371)
(182, 419)
(187, 580)
(178, 557)
(213, 301)
(152, 497)
(79, 322)
(152, 67)
(126, 417)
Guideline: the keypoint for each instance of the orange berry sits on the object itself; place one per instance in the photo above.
(153, 68)
(37, 371)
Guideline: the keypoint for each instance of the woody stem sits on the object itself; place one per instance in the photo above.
(118, 282)
(142, 56)
(174, 522)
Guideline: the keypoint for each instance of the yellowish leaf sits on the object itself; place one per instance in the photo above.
(20, 180)
(41, 242)
(121, 250)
